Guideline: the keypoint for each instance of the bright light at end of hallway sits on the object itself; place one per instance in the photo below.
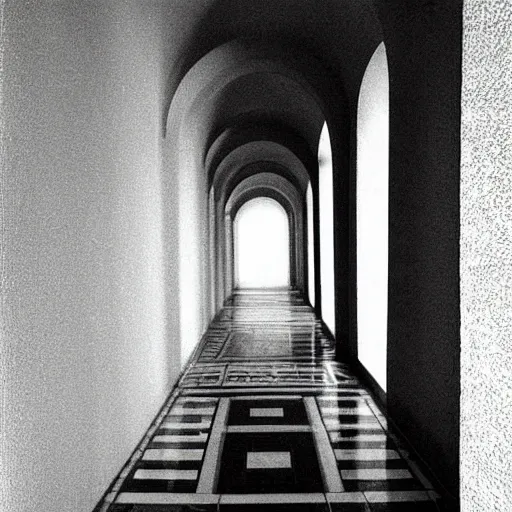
(262, 257)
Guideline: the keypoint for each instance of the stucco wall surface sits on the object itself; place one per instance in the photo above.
(84, 357)
(486, 258)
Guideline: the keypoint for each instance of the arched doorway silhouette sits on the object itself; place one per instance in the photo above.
(325, 183)
(372, 216)
(261, 245)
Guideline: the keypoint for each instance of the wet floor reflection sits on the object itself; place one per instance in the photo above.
(264, 418)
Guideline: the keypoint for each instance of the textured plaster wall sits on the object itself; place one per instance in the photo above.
(486, 258)
(84, 353)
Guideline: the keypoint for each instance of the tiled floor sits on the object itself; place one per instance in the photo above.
(265, 419)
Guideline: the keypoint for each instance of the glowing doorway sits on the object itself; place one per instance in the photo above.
(372, 216)
(311, 246)
(261, 245)
(326, 228)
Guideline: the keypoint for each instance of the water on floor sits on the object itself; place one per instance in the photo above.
(264, 419)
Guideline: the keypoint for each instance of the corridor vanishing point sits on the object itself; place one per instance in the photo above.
(275, 233)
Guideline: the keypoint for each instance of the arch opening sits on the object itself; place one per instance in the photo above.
(311, 245)
(196, 112)
(261, 245)
(325, 185)
(372, 216)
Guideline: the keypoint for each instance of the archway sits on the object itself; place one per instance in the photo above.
(311, 245)
(281, 190)
(261, 245)
(277, 167)
(207, 99)
(325, 184)
(372, 216)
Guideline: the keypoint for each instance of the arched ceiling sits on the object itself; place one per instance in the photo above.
(236, 80)
(276, 68)
(342, 34)
(256, 131)
(281, 99)
(262, 72)
(255, 157)
(269, 185)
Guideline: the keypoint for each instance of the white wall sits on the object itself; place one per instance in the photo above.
(84, 356)
(192, 215)
(372, 216)
(486, 258)
(186, 224)
(325, 185)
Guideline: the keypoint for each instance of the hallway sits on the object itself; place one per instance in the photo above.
(263, 418)
(150, 149)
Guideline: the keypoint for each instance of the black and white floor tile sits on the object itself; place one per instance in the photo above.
(265, 419)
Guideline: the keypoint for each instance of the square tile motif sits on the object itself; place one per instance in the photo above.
(267, 412)
(268, 460)
(301, 474)
(261, 354)
(257, 343)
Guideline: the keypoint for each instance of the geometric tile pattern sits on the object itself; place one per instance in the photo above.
(173, 458)
(265, 419)
(267, 411)
(238, 333)
(263, 373)
(264, 462)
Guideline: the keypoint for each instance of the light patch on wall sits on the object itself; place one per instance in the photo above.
(311, 246)
(326, 228)
(193, 264)
(372, 216)
(261, 236)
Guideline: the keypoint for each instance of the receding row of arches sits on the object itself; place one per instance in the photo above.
(249, 128)
(129, 129)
